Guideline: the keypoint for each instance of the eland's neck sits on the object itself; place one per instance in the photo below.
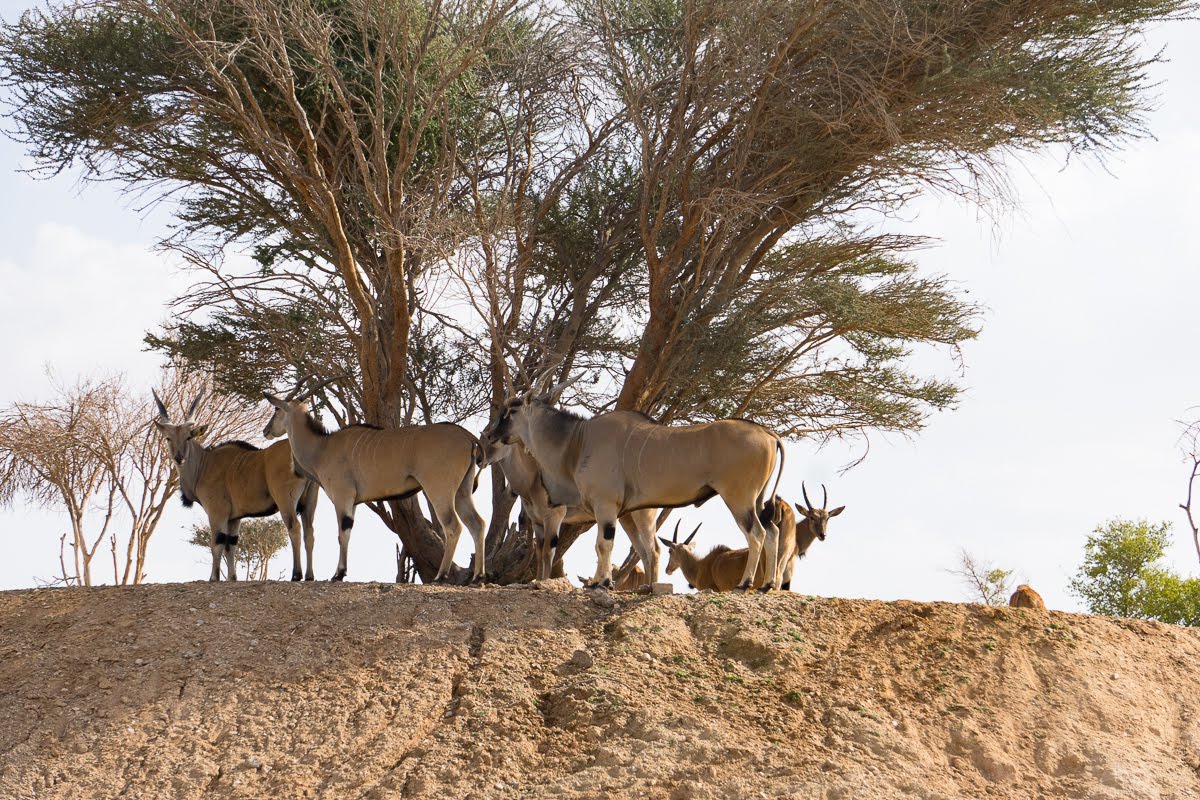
(195, 460)
(306, 444)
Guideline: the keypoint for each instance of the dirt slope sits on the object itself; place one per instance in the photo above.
(367, 690)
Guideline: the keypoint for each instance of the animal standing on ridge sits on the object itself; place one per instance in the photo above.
(1026, 597)
(623, 461)
(525, 481)
(235, 480)
(814, 525)
(363, 463)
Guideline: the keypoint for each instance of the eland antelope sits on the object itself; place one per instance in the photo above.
(235, 480)
(623, 461)
(525, 481)
(363, 463)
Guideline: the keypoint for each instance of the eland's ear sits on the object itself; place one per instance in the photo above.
(199, 431)
(837, 511)
(160, 424)
(275, 401)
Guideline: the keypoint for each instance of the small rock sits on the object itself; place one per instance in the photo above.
(141, 662)
(648, 657)
(1115, 675)
(662, 588)
(602, 598)
(385, 587)
(212, 605)
(251, 763)
(582, 659)
(254, 642)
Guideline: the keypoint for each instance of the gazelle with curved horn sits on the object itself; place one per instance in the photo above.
(363, 463)
(813, 525)
(234, 480)
(720, 570)
(623, 461)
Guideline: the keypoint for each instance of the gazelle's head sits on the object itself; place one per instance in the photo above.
(816, 519)
(178, 434)
(679, 551)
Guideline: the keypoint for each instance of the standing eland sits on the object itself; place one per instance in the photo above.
(623, 461)
(235, 480)
(364, 463)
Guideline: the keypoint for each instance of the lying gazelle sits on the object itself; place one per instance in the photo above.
(720, 568)
(525, 481)
(1026, 597)
(235, 480)
(623, 461)
(363, 463)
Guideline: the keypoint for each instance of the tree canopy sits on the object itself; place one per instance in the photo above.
(686, 197)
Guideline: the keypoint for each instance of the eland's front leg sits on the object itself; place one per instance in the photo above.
(606, 533)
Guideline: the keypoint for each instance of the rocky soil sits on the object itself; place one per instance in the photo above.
(374, 691)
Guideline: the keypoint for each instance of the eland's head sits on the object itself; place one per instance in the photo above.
(178, 434)
(817, 519)
(512, 422)
(291, 408)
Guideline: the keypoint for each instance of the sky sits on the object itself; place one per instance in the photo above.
(1086, 361)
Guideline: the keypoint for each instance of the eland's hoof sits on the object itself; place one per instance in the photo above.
(309, 577)
(338, 577)
(296, 575)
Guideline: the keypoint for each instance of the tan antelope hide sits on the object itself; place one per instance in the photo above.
(235, 480)
(362, 463)
(525, 481)
(623, 461)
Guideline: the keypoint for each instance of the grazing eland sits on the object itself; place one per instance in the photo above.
(364, 463)
(623, 461)
(234, 480)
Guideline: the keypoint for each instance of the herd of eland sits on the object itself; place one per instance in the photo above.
(619, 466)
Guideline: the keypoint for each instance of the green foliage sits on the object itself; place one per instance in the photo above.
(1121, 575)
(258, 541)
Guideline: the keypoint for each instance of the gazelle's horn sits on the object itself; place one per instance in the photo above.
(804, 489)
(162, 408)
(688, 540)
(824, 496)
(675, 535)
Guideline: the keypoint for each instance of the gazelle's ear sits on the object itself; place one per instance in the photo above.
(275, 401)
(669, 544)
(801, 510)
(837, 511)
(199, 431)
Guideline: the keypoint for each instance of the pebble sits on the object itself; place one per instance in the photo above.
(582, 658)
(603, 599)
(212, 605)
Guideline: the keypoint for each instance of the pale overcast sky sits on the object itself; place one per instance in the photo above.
(1086, 360)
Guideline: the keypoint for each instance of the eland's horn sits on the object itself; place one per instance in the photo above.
(162, 408)
(804, 489)
(559, 388)
(688, 540)
(316, 387)
(299, 386)
(191, 414)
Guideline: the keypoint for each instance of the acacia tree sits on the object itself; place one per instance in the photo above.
(674, 194)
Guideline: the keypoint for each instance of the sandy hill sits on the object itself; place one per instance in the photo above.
(373, 691)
